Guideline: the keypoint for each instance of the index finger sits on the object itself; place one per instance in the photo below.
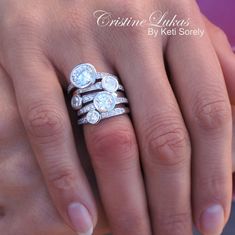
(44, 114)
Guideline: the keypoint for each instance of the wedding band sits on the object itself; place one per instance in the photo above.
(94, 87)
(90, 97)
(97, 95)
(94, 117)
(102, 109)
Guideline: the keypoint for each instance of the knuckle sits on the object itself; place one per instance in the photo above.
(182, 8)
(126, 9)
(61, 176)
(74, 22)
(166, 141)
(113, 147)
(130, 222)
(44, 121)
(23, 20)
(180, 223)
(213, 184)
(26, 23)
(212, 115)
(218, 33)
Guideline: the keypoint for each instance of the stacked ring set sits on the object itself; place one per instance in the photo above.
(96, 95)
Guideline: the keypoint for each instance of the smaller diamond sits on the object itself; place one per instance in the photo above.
(76, 102)
(93, 117)
(110, 83)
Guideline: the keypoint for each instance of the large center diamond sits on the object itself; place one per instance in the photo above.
(104, 101)
(83, 75)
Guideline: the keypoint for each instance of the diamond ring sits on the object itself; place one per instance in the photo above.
(94, 117)
(96, 95)
(84, 76)
(94, 87)
(103, 103)
(89, 97)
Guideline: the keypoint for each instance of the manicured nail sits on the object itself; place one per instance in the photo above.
(90, 232)
(81, 219)
(212, 220)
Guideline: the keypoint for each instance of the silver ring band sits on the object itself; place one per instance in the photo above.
(95, 87)
(89, 107)
(90, 97)
(113, 113)
(97, 76)
(96, 95)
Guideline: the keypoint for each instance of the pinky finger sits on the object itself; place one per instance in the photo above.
(225, 54)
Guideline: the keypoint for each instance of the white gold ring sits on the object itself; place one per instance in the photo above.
(94, 117)
(103, 107)
(84, 76)
(97, 94)
(95, 87)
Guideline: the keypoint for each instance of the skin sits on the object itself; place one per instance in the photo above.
(190, 123)
(25, 205)
(19, 169)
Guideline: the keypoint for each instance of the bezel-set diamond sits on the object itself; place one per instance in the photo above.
(76, 102)
(90, 97)
(95, 87)
(99, 92)
(97, 76)
(104, 101)
(115, 112)
(110, 83)
(93, 117)
(91, 106)
(83, 76)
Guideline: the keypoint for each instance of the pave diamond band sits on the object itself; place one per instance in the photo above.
(89, 107)
(95, 117)
(96, 95)
(95, 87)
(90, 97)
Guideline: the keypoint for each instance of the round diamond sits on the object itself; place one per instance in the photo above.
(110, 83)
(104, 101)
(93, 117)
(76, 102)
(83, 75)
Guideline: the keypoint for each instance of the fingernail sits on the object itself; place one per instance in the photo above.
(212, 220)
(80, 218)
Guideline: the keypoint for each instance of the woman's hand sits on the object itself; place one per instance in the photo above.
(187, 121)
(20, 176)
(19, 170)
